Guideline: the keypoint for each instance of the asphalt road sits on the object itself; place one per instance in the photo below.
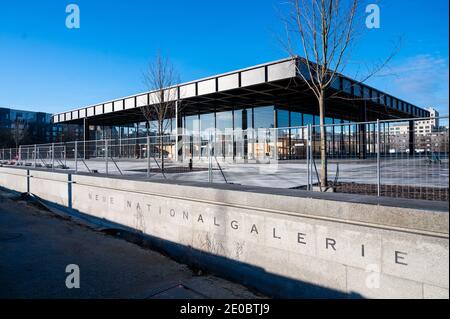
(36, 246)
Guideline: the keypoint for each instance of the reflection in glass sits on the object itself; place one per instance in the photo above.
(264, 117)
(296, 119)
(224, 120)
(283, 118)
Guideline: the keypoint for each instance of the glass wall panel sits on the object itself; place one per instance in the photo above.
(283, 118)
(357, 89)
(241, 114)
(167, 126)
(191, 138)
(329, 131)
(224, 135)
(153, 127)
(395, 104)
(296, 119)
(132, 131)
(207, 122)
(336, 83)
(142, 129)
(347, 86)
(224, 120)
(298, 137)
(242, 121)
(316, 120)
(375, 96)
(123, 133)
(115, 132)
(207, 130)
(308, 119)
(264, 117)
(283, 142)
(192, 124)
(337, 138)
(366, 92)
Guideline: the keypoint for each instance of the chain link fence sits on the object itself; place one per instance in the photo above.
(397, 158)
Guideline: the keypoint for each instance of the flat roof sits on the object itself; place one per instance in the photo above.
(276, 82)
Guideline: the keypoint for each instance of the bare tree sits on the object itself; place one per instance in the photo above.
(19, 131)
(161, 79)
(326, 31)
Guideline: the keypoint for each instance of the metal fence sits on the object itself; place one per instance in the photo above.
(396, 158)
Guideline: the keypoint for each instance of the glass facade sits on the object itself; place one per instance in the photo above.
(224, 121)
(249, 133)
(283, 118)
(264, 117)
(19, 127)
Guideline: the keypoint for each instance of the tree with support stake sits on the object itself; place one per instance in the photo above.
(325, 31)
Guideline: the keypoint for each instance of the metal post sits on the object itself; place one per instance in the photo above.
(148, 156)
(311, 156)
(120, 141)
(378, 160)
(307, 161)
(275, 143)
(53, 156)
(76, 156)
(85, 136)
(210, 177)
(106, 156)
(35, 156)
(412, 137)
(176, 130)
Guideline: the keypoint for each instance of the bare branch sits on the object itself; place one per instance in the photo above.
(325, 32)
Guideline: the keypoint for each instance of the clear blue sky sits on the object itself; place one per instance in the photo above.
(45, 66)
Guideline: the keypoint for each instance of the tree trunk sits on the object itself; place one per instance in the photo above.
(323, 142)
(161, 146)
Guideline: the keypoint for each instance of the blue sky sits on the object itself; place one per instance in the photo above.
(45, 66)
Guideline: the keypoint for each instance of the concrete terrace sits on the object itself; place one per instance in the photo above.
(281, 174)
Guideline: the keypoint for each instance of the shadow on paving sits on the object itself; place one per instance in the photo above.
(36, 245)
(118, 262)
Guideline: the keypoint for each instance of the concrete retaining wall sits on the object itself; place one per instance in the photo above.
(286, 245)
(14, 179)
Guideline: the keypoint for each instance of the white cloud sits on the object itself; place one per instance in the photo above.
(422, 80)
